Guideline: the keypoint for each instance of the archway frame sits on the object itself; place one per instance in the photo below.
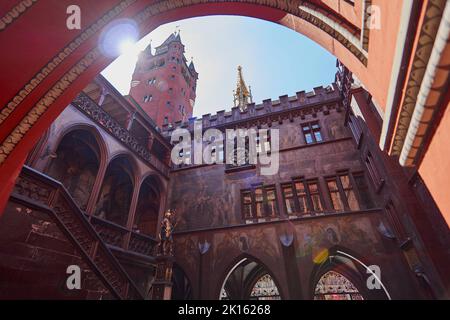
(60, 69)
(356, 277)
(236, 262)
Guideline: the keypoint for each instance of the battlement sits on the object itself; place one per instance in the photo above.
(319, 95)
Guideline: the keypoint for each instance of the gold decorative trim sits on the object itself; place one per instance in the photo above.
(427, 37)
(156, 8)
(51, 96)
(60, 57)
(15, 13)
(365, 30)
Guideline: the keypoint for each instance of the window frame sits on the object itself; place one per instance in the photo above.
(362, 205)
(265, 202)
(308, 195)
(312, 132)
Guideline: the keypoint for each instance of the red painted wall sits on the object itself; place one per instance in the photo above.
(171, 92)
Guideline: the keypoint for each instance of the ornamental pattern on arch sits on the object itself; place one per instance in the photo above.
(334, 286)
(265, 289)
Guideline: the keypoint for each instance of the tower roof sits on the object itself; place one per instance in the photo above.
(192, 67)
(174, 37)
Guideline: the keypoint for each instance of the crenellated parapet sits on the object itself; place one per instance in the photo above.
(319, 100)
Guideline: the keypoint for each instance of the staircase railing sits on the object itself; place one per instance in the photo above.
(33, 187)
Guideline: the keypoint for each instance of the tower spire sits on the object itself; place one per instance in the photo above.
(242, 95)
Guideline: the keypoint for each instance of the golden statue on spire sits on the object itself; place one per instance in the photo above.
(242, 95)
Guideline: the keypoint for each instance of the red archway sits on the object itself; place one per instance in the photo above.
(44, 65)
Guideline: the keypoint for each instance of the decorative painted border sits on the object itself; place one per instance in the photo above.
(433, 88)
(161, 7)
(427, 38)
(15, 13)
(365, 30)
(60, 57)
(53, 94)
(156, 8)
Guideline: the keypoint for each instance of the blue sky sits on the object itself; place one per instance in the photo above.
(275, 60)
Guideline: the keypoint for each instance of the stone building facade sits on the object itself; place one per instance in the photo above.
(337, 221)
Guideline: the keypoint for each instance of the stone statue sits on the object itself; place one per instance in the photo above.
(168, 223)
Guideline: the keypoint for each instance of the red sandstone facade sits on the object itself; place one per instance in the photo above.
(163, 84)
(393, 132)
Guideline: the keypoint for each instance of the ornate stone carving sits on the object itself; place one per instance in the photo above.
(91, 109)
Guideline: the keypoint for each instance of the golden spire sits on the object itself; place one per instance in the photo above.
(242, 95)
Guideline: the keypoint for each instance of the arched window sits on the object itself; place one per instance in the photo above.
(334, 286)
(75, 164)
(249, 280)
(265, 289)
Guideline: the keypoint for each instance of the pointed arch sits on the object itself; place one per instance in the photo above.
(349, 269)
(116, 193)
(76, 159)
(241, 277)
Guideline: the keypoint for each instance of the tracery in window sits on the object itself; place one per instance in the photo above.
(334, 286)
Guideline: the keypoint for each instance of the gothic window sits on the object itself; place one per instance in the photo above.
(247, 206)
(334, 286)
(394, 220)
(375, 176)
(311, 132)
(335, 196)
(355, 127)
(314, 193)
(265, 289)
(363, 190)
(289, 201)
(349, 192)
(263, 147)
(259, 202)
(151, 81)
(302, 196)
(148, 98)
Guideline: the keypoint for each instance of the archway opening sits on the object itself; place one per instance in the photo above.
(181, 286)
(116, 192)
(146, 219)
(75, 164)
(249, 280)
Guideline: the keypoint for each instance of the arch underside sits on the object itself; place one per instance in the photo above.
(148, 17)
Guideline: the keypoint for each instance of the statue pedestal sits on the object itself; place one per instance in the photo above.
(162, 285)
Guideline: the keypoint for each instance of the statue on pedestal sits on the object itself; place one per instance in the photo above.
(165, 245)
